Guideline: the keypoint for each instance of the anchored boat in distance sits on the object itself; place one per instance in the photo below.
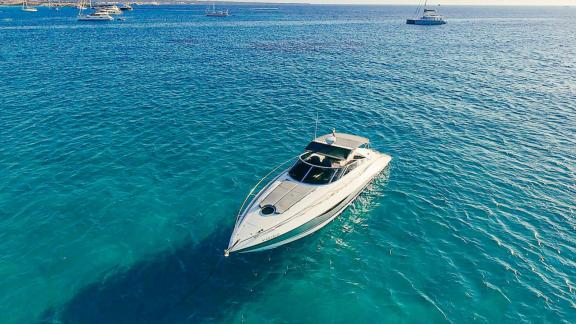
(124, 6)
(27, 8)
(95, 16)
(110, 9)
(429, 17)
(98, 15)
(333, 170)
(212, 12)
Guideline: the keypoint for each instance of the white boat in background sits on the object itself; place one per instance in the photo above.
(124, 6)
(212, 12)
(27, 8)
(95, 16)
(108, 8)
(429, 17)
(327, 177)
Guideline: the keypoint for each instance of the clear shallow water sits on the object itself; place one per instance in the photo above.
(126, 148)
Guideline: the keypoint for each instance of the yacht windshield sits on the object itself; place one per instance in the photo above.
(299, 170)
(306, 173)
(329, 150)
(314, 168)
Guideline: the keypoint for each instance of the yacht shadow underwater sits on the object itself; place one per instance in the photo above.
(193, 283)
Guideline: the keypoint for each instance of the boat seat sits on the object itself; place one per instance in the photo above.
(315, 159)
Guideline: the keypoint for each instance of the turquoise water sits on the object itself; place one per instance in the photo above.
(127, 147)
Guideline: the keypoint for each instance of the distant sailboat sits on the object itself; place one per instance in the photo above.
(429, 17)
(27, 8)
(212, 12)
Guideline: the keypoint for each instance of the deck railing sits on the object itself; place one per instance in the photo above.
(253, 190)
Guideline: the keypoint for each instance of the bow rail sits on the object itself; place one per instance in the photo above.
(252, 191)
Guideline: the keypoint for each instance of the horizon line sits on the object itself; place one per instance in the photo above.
(376, 4)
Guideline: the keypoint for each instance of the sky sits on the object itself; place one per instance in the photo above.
(443, 2)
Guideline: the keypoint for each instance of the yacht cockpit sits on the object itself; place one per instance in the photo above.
(328, 158)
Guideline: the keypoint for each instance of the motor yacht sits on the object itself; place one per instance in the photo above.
(124, 6)
(95, 16)
(429, 17)
(333, 170)
(108, 8)
(98, 15)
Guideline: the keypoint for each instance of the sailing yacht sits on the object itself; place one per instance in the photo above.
(27, 8)
(429, 17)
(212, 12)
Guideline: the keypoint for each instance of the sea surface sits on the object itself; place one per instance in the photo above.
(127, 147)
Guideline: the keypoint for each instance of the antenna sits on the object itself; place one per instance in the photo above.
(316, 128)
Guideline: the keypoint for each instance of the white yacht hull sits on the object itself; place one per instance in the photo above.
(95, 18)
(256, 232)
(305, 232)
